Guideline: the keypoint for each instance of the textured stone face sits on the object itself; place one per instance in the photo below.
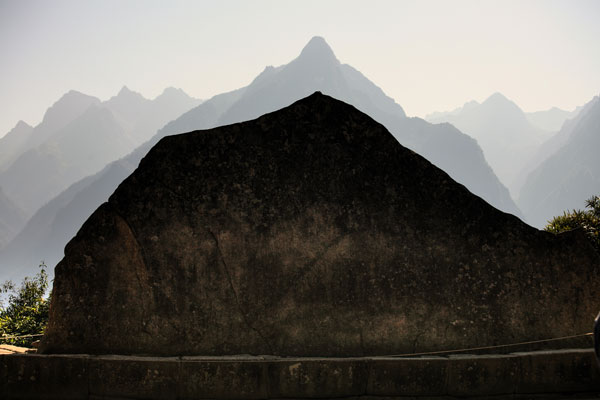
(309, 232)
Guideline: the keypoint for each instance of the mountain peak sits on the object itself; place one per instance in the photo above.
(21, 129)
(74, 95)
(22, 124)
(173, 92)
(497, 97)
(501, 103)
(126, 92)
(317, 49)
(71, 103)
(172, 95)
(172, 89)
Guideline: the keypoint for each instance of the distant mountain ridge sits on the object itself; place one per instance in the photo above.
(551, 120)
(315, 69)
(78, 136)
(551, 145)
(13, 143)
(503, 131)
(570, 173)
(12, 218)
(79, 149)
(60, 114)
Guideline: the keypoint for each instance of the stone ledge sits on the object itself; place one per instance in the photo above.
(545, 374)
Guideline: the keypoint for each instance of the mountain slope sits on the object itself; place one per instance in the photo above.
(79, 136)
(141, 117)
(60, 114)
(569, 176)
(45, 234)
(551, 145)
(12, 219)
(79, 149)
(13, 142)
(316, 68)
(47, 231)
(551, 120)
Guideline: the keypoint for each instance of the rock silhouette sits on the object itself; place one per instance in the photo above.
(309, 231)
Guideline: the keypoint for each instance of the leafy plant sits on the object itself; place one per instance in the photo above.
(588, 220)
(27, 310)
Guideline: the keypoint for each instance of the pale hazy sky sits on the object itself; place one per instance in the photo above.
(427, 55)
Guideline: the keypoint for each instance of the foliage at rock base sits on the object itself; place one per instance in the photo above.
(27, 311)
(588, 220)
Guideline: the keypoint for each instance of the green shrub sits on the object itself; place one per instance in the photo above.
(27, 310)
(588, 220)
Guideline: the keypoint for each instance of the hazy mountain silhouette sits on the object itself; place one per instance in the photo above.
(81, 148)
(551, 145)
(502, 130)
(45, 234)
(440, 116)
(59, 152)
(570, 175)
(13, 142)
(551, 120)
(60, 114)
(51, 227)
(141, 118)
(316, 68)
(12, 218)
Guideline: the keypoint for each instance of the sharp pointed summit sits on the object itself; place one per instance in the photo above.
(317, 50)
(497, 98)
(22, 125)
(125, 92)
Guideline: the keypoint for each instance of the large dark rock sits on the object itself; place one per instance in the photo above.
(309, 231)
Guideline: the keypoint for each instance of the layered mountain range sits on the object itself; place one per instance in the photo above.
(501, 128)
(547, 172)
(316, 68)
(551, 120)
(78, 136)
(569, 172)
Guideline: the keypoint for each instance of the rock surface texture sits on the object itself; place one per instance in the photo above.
(309, 231)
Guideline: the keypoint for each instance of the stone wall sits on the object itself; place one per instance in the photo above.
(552, 374)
